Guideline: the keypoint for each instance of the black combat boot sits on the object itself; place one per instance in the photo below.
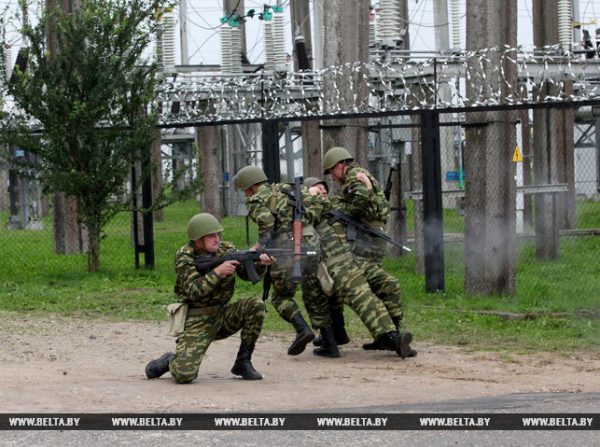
(397, 321)
(159, 366)
(328, 346)
(338, 325)
(243, 366)
(396, 341)
(303, 335)
(376, 345)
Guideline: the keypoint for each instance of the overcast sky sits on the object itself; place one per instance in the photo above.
(204, 26)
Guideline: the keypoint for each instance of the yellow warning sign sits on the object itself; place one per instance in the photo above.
(517, 156)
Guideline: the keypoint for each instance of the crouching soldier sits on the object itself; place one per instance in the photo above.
(210, 314)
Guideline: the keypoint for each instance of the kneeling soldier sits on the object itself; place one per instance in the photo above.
(210, 315)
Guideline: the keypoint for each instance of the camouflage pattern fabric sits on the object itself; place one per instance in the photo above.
(350, 285)
(219, 318)
(204, 289)
(384, 285)
(363, 204)
(200, 331)
(370, 207)
(271, 208)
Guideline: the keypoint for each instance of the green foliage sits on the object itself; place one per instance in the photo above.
(88, 87)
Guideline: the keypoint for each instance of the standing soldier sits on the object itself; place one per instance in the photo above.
(210, 315)
(317, 186)
(362, 199)
(349, 285)
(271, 206)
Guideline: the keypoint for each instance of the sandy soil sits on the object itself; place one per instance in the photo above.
(70, 365)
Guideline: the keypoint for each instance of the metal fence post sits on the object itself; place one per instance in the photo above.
(432, 201)
(270, 147)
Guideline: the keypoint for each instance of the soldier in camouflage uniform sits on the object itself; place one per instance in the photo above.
(317, 186)
(271, 207)
(350, 285)
(362, 198)
(211, 315)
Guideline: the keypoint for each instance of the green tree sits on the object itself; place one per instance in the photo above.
(88, 86)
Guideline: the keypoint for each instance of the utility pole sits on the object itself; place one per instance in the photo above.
(400, 139)
(553, 146)
(347, 41)
(444, 93)
(183, 32)
(311, 134)
(490, 219)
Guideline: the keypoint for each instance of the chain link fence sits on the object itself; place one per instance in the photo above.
(525, 178)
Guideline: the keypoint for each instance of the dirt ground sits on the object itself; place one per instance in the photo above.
(69, 365)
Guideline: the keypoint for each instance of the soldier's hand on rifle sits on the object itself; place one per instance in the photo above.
(363, 178)
(265, 259)
(226, 269)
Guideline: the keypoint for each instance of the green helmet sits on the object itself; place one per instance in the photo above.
(248, 176)
(312, 181)
(202, 224)
(334, 156)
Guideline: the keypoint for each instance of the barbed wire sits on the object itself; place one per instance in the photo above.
(489, 77)
(476, 79)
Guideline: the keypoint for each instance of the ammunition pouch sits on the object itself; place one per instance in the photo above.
(177, 315)
(325, 279)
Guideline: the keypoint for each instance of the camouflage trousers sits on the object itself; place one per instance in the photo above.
(316, 304)
(201, 330)
(384, 285)
(350, 284)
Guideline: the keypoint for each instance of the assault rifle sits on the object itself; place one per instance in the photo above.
(354, 225)
(247, 258)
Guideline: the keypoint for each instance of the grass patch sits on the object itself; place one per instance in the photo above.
(35, 280)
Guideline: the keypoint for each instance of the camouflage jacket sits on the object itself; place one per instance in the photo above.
(271, 207)
(204, 289)
(358, 201)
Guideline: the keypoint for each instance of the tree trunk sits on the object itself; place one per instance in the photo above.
(69, 235)
(4, 198)
(94, 250)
